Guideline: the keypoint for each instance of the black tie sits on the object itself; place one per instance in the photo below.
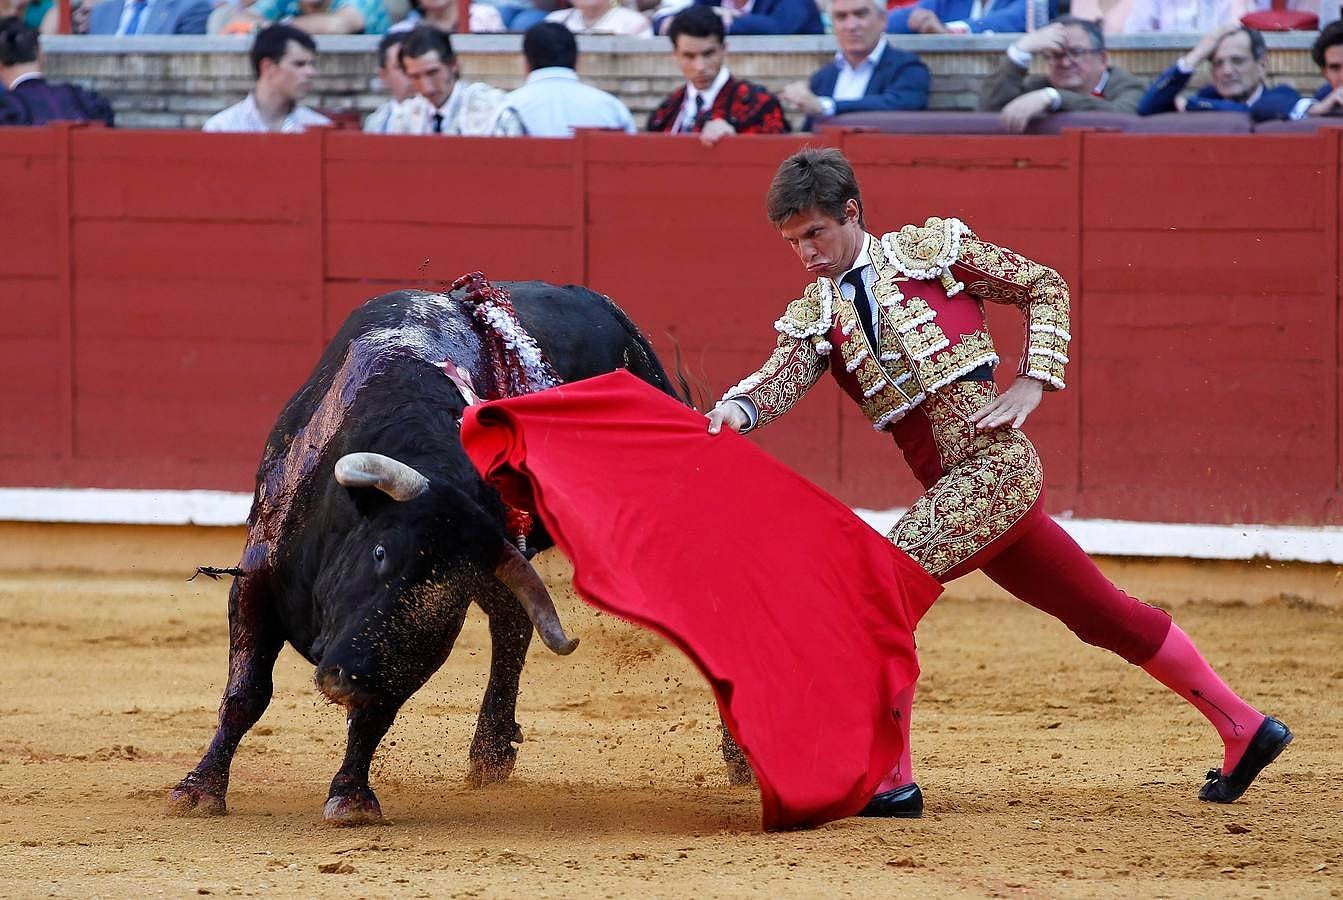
(438, 123)
(860, 303)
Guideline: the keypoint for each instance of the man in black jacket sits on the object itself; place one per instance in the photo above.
(867, 74)
(29, 99)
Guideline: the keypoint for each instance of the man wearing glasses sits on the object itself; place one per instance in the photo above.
(1080, 77)
(1238, 58)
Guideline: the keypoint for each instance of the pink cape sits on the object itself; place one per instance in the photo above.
(799, 615)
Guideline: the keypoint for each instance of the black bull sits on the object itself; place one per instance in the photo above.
(371, 533)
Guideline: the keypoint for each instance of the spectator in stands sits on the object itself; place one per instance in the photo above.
(130, 17)
(553, 102)
(42, 15)
(711, 102)
(1200, 16)
(442, 14)
(443, 103)
(962, 16)
(602, 17)
(321, 16)
(283, 59)
(867, 74)
(1080, 77)
(1238, 84)
(392, 78)
(28, 98)
(760, 16)
(1327, 52)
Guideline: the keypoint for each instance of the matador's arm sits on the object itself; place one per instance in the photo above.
(797, 363)
(999, 275)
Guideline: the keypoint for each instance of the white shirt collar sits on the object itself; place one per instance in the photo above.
(711, 93)
(869, 62)
(552, 73)
(26, 76)
(449, 108)
(863, 260)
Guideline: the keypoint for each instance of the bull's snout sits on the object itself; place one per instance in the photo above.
(349, 689)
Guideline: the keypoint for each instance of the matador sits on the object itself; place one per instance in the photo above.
(898, 320)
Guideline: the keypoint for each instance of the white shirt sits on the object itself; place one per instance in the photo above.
(685, 119)
(245, 117)
(469, 110)
(616, 20)
(852, 81)
(376, 121)
(553, 102)
(1188, 15)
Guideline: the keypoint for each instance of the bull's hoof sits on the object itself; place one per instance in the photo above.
(739, 773)
(357, 808)
(480, 773)
(191, 798)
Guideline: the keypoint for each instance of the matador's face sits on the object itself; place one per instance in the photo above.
(827, 247)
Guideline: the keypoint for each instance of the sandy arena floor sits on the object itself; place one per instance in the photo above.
(1050, 769)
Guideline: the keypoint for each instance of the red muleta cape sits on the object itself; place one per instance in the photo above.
(799, 614)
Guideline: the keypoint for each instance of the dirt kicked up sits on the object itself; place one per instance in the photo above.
(1050, 769)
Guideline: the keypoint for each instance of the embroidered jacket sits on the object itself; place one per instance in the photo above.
(931, 282)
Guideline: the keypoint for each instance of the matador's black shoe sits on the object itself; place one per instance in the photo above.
(1269, 740)
(901, 803)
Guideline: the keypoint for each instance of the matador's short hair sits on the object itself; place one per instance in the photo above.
(817, 178)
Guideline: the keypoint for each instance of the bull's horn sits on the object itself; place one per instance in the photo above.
(394, 478)
(519, 577)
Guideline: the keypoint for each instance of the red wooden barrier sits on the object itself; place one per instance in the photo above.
(162, 294)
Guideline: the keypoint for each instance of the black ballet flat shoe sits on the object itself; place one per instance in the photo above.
(902, 803)
(1269, 741)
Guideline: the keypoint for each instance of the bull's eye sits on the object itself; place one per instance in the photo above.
(379, 553)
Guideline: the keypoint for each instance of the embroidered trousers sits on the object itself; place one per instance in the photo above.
(983, 508)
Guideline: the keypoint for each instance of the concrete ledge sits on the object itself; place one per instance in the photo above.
(1106, 537)
(494, 43)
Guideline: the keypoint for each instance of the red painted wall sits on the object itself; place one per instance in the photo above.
(162, 294)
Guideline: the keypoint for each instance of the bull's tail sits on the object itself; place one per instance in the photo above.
(640, 359)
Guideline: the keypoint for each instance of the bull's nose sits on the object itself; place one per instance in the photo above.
(341, 686)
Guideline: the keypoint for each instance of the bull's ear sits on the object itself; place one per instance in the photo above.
(369, 501)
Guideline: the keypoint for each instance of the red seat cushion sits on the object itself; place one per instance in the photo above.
(1281, 20)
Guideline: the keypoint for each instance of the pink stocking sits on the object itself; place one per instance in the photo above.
(1179, 666)
(903, 773)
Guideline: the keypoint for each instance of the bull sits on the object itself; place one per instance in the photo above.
(370, 532)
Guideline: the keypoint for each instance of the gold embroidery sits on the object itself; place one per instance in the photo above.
(992, 480)
(806, 316)
(1001, 276)
(790, 372)
(926, 251)
(971, 352)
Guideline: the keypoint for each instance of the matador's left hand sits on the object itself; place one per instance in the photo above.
(1012, 406)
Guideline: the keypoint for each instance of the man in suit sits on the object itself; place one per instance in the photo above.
(763, 16)
(961, 17)
(1239, 72)
(711, 103)
(867, 74)
(121, 17)
(1080, 77)
(29, 99)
